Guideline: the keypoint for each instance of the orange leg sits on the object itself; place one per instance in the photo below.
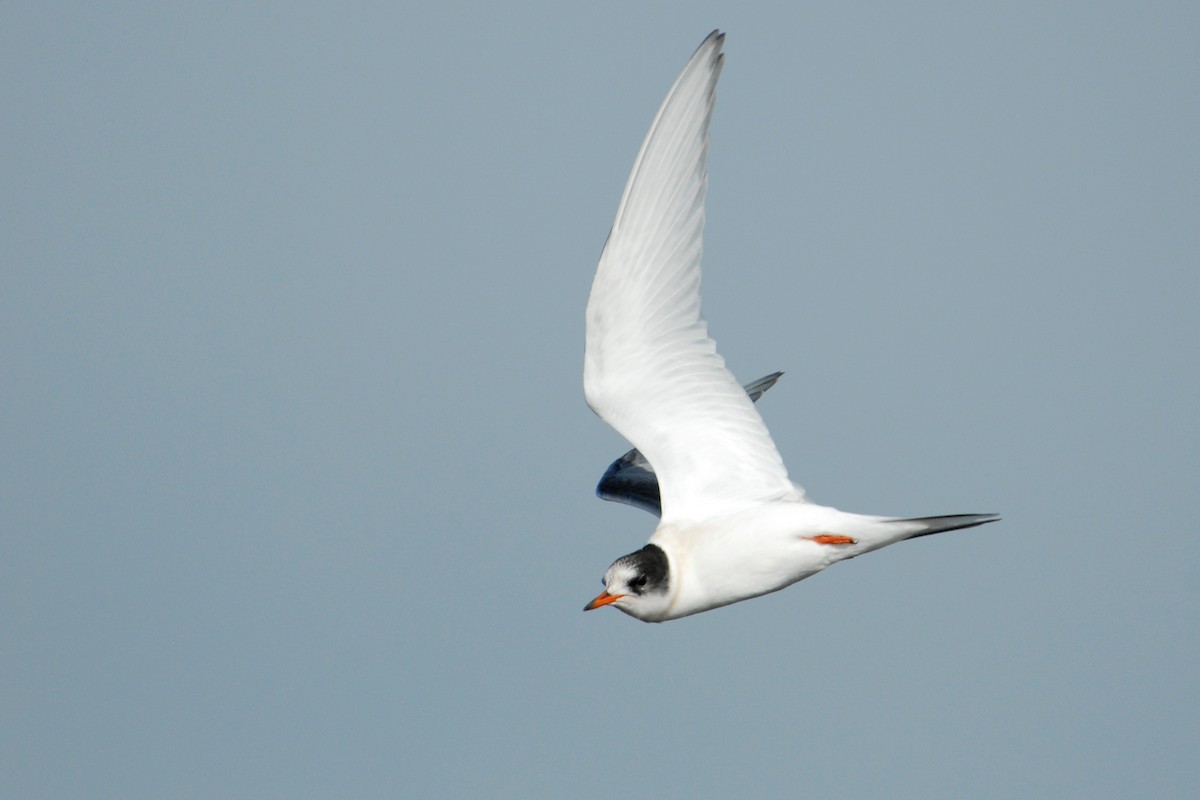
(831, 538)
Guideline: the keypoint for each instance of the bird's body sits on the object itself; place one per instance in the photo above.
(742, 555)
(768, 547)
(733, 526)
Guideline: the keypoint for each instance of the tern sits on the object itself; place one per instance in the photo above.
(732, 526)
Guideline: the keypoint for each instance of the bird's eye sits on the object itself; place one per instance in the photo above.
(638, 582)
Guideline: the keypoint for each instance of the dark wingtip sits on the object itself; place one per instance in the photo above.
(625, 482)
(951, 522)
(758, 388)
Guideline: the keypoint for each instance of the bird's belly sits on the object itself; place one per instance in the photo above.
(725, 576)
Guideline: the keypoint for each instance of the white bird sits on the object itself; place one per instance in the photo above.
(732, 525)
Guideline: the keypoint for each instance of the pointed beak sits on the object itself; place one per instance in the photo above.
(603, 599)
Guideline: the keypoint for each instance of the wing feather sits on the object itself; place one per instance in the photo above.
(650, 368)
(631, 479)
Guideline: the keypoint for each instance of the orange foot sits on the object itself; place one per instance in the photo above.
(830, 538)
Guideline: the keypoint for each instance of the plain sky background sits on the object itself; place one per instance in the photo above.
(296, 473)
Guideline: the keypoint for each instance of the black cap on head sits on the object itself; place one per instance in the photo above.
(650, 564)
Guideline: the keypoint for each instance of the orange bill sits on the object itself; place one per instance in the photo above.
(603, 599)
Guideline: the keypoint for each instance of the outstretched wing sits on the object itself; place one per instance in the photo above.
(631, 480)
(650, 368)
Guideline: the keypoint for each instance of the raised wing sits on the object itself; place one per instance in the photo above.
(631, 480)
(650, 369)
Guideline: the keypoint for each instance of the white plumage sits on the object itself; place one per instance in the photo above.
(732, 526)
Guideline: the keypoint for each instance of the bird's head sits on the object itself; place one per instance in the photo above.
(638, 584)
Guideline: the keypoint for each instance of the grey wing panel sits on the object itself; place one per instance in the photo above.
(758, 388)
(631, 480)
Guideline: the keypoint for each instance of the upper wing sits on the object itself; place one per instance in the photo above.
(630, 479)
(650, 369)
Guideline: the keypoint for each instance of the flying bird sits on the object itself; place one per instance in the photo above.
(732, 525)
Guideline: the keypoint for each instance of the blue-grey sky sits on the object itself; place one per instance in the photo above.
(297, 474)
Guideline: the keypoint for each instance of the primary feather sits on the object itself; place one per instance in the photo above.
(649, 358)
